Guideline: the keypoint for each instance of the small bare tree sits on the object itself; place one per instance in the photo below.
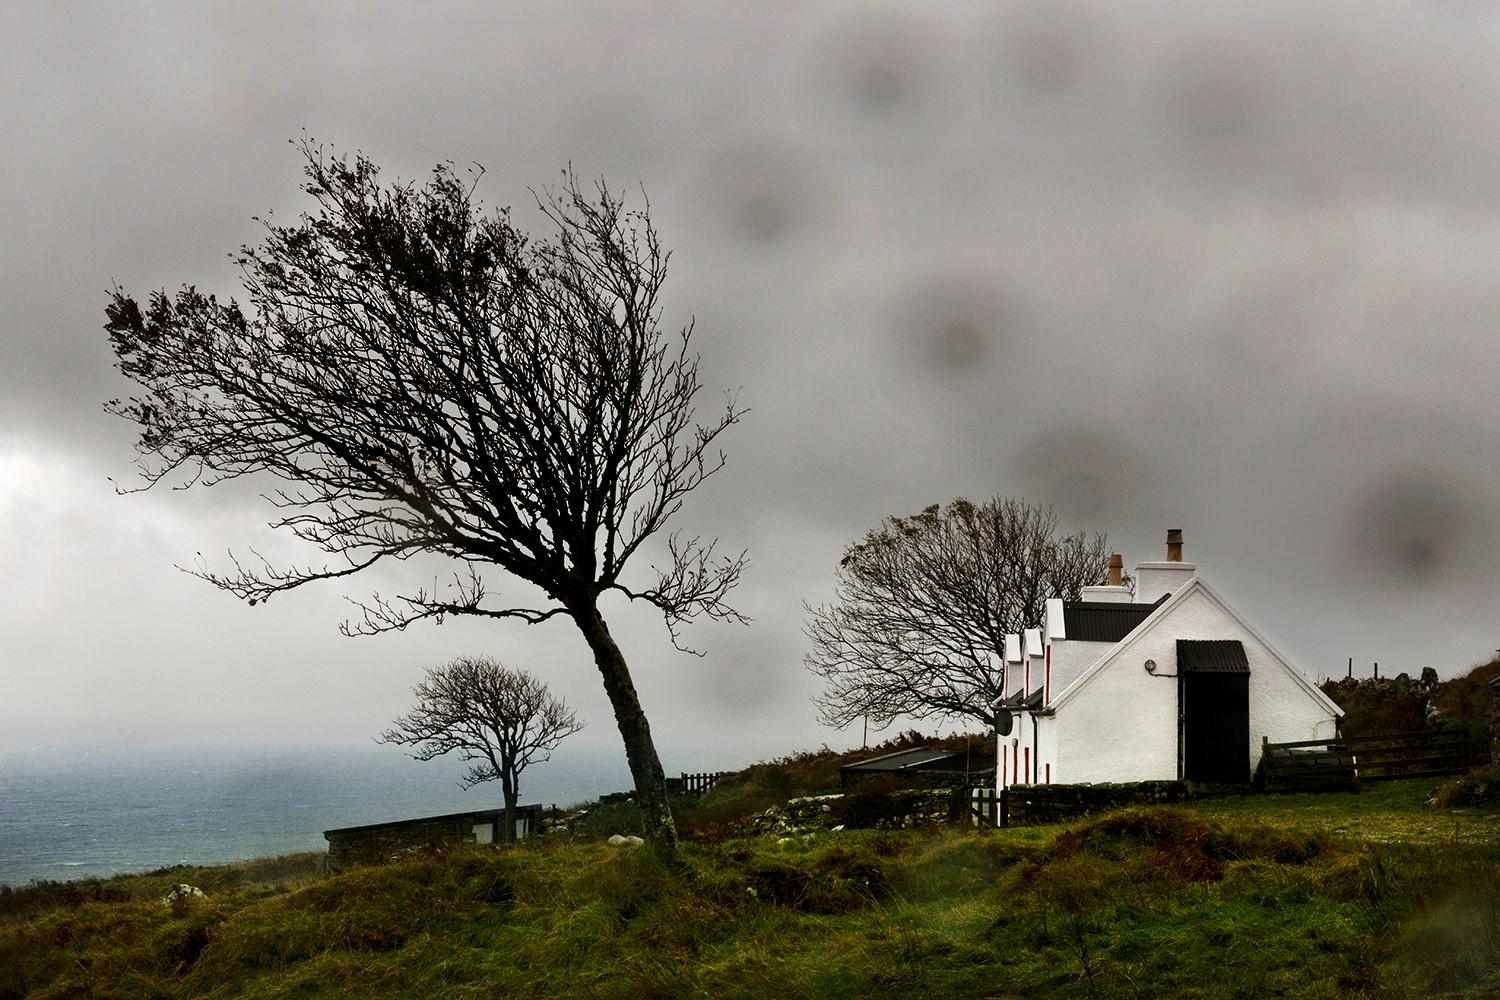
(501, 719)
(417, 376)
(923, 604)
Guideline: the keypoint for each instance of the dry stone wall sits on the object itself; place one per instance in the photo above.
(901, 810)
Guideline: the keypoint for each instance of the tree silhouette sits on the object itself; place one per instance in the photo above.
(501, 719)
(416, 375)
(923, 603)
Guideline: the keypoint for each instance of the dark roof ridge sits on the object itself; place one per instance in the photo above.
(1103, 621)
(1116, 605)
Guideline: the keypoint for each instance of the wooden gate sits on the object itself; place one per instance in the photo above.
(1320, 763)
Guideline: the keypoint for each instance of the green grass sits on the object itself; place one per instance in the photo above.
(1374, 894)
(1394, 812)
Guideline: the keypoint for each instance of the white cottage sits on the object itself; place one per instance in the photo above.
(1166, 681)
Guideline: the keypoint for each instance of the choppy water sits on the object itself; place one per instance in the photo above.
(68, 816)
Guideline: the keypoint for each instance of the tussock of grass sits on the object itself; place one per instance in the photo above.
(1480, 787)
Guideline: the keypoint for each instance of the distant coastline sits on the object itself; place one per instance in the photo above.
(74, 817)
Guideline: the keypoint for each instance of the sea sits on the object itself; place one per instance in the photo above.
(80, 813)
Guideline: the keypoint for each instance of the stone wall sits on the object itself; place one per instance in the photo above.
(899, 810)
(1495, 721)
(1028, 804)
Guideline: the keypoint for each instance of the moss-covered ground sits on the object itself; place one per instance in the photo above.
(1369, 894)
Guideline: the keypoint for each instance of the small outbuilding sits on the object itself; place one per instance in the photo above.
(917, 766)
(374, 843)
(1161, 682)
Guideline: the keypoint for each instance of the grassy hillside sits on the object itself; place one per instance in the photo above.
(1374, 894)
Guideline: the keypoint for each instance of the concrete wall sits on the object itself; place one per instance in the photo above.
(1122, 724)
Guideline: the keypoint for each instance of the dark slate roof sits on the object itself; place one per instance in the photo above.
(1211, 656)
(902, 759)
(1103, 621)
(1022, 700)
(479, 816)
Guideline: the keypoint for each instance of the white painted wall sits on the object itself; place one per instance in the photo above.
(1032, 748)
(1122, 724)
(1014, 666)
(1054, 625)
(1046, 771)
(1154, 579)
(1036, 658)
(1070, 658)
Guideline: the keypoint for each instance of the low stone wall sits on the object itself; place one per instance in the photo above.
(1028, 804)
(899, 810)
(348, 848)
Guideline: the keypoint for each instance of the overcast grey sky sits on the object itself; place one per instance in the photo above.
(1228, 268)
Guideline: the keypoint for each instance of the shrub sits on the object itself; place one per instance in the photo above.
(1480, 787)
(47, 895)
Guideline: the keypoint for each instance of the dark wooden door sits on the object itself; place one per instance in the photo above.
(1216, 727)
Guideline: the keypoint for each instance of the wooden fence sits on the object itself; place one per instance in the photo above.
(1340, 762)
(987, 807)
(694, 785)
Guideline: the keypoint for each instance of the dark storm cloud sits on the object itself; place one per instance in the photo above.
(1220, 267)
(1414, 528)
(879, 66)
(961, 325)
(763, 191)
(1090, 474)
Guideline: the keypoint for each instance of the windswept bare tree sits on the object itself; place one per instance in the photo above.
(923, 604)
(415, 375)
(501, 719)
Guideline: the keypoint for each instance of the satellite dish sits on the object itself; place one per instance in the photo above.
(1003, 721)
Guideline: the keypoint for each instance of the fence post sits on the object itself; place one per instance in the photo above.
(1265, 763)
(1004, 808)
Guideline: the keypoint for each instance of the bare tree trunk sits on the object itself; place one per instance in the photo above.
(640, 751)
(508, 787)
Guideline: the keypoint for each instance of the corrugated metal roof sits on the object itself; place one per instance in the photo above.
(920, 757)
(1211, 656)
(1103, 621)
(479, 816)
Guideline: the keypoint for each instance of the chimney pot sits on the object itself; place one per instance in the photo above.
(1116, 569)
(1174, 545)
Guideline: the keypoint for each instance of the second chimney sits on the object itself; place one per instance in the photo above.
(1117, 568)
(1154, 580)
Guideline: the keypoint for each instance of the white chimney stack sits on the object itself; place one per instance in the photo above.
(1154, 580)
(1013, 663)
